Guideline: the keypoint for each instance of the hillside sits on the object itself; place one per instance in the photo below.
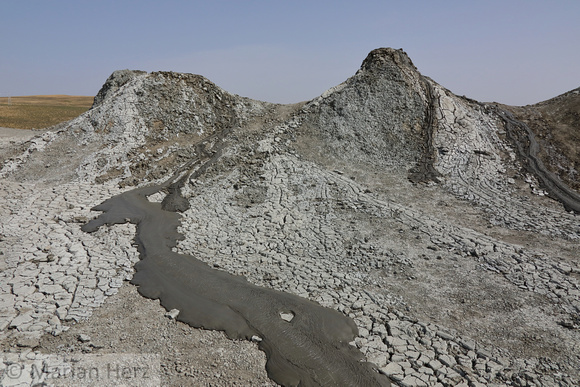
(430, 231)
(555, 123)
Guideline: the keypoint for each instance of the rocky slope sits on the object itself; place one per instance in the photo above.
(421, 215)
(555, 123)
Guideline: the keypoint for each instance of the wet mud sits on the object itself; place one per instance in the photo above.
(424, 171)
(305, 344)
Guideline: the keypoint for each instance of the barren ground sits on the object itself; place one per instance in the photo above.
(470, 280)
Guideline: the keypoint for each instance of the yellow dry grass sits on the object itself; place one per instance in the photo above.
(41, 111)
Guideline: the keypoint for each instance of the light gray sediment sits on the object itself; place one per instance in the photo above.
(305, 343)
(471, 280)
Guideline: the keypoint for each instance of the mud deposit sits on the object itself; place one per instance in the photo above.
(305, 343)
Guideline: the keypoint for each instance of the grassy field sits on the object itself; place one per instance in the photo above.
(41, 111)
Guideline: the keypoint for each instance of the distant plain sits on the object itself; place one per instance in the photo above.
(41, 111)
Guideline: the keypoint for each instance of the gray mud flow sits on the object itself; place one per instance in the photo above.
(306, 344)
(555, 187)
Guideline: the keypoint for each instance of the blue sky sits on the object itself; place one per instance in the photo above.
(511, 51)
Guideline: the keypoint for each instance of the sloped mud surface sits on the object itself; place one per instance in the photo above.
(555, 123)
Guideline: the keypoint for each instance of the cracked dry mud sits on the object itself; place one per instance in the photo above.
(469, 276)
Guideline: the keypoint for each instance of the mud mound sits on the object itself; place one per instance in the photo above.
(375, 117)
(132, 133)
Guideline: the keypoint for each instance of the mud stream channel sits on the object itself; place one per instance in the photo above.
(305, 344)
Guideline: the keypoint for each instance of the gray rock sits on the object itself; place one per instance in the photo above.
(172, 314)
